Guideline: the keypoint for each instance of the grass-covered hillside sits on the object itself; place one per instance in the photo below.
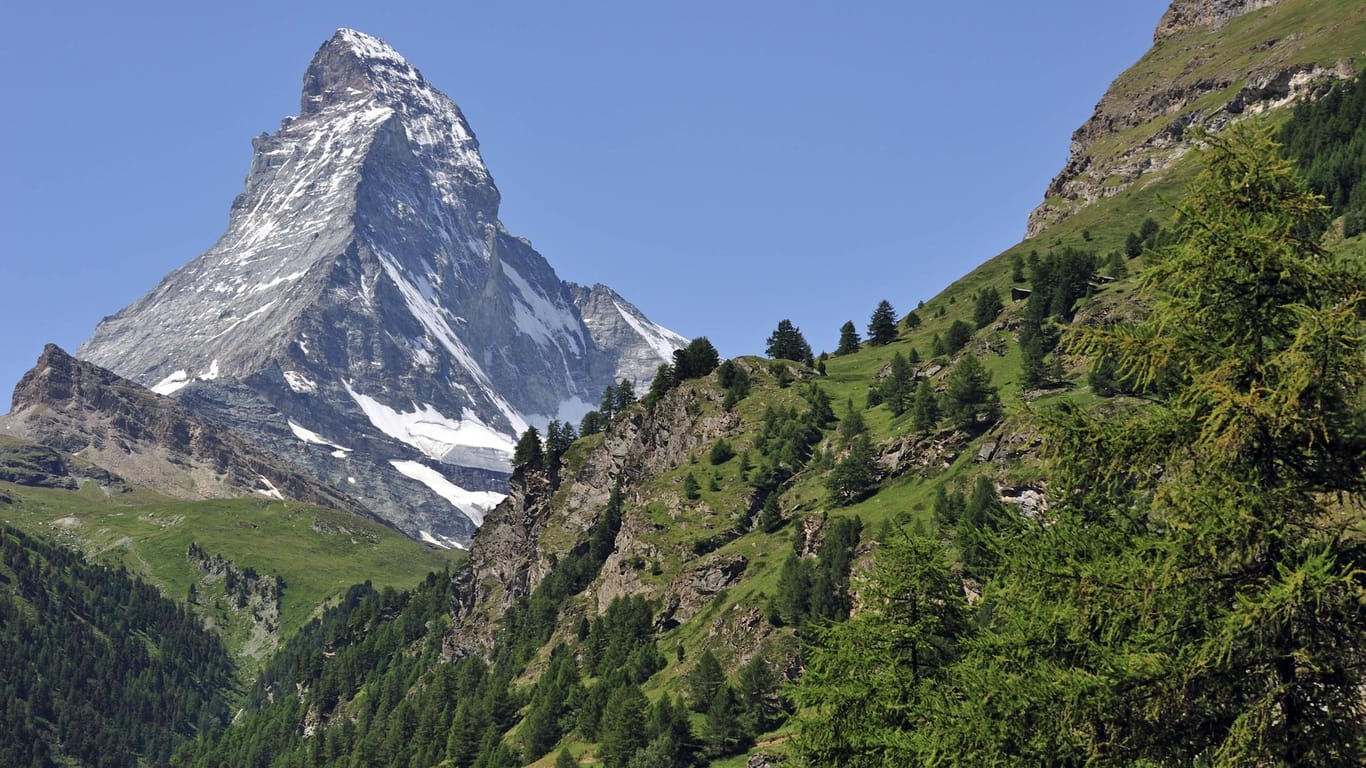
(225, 556)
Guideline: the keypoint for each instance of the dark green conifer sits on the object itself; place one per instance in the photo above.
(882, 324)
(849, 340)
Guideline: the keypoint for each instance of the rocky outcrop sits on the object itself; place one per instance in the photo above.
(1190, 79)
(152, 441)
(697, 586)
(39, 466)
(537, 524)
(1185, 15)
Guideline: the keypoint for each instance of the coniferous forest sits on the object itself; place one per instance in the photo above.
(98, 667)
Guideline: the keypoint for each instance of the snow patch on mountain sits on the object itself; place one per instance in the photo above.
(180, 378)
(300, 383)
(662, 340)
(268, 489)
(172, 383)
(442, 542)
(311, 437)
(472, 504)
(433, 433)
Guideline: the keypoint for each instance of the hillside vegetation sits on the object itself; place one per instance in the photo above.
(255, 569)
(1093, 628)
(1097, 503)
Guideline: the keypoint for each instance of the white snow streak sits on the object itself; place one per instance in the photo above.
(661, 340)
(539, 317)
(433, 433)
(472, 504)
(309, 436)
(172, 383)
(299, 382)
(270, 489)
(443, 543)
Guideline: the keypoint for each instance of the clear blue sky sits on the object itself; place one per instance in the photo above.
(723, 165)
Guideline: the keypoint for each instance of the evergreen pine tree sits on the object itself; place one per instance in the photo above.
(882, 324)
(852, 424)
(896, 387)
(924, 408)
(704, 680)
(722, 730)
(787, 343)
(623, 396)
(958, 336)
(663, 381)
(855, 475)
(623, 726)
(696, 360)
(986, 307)
(770, 517)
(871, 681)
(528, 454)
(691, 490)
(937, 346)
(592, 423)
(849, 340)
(969, 396)
(607, 404)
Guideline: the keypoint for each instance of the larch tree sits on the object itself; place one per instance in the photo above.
(1196, 593)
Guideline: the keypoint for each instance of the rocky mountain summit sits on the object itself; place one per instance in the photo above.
(1212, 62)
(367, 314)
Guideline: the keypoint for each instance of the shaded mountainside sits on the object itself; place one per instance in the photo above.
(148, 439)
(366, 300)
(1213, 62)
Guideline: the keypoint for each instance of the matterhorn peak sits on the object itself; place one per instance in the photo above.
(366, 313)
(355, 66)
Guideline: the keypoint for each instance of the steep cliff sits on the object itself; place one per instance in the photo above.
(1212, 62)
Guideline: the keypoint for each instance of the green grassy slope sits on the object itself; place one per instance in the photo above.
(317, 552)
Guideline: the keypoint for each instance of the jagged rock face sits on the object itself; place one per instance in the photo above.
(524, 535)
(365, 300)
(1186, 14)
(152, 441)
(1158, 100)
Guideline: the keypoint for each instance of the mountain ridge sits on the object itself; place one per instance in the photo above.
(1213, 62)
(156, 442)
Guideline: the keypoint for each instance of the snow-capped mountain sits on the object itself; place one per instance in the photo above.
(368, 315)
